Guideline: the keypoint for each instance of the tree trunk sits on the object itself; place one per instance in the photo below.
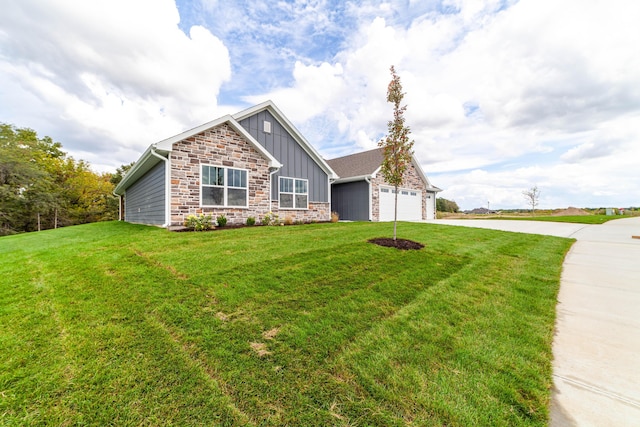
(395, 214)
(55, 219)
(38, 221)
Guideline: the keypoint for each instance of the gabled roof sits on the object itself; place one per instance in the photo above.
(151, 156)
(167, 144)
(302, 141)
(360, 166)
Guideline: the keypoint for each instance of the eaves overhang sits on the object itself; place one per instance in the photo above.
(148, 160)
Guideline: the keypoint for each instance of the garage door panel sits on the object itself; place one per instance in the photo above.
(409, 204)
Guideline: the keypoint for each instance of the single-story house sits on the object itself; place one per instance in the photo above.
(242, 165)
(362, 194)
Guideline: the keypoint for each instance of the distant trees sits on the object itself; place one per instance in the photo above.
(120, 173)
(532, 196)
(397, 148)
(444, 205)
(41, 187)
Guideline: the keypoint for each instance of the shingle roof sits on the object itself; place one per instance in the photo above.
(359, 164)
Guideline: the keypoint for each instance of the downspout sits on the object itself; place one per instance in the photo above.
(167, 185)
(120, 218)
(368, 181)
(329, 181)
(271, 173)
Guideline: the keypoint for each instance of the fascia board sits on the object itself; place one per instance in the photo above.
(302, 141)
(273, 162)
(416, 164)
(352, 179)
(421, 173)
(142, 166)
(147, 160)
(167, 144)
(430, 187)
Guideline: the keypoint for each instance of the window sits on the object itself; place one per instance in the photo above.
(384, 190)
(266, 126)
(294, 193)
(413, 193)
(222, 186)
(405, 193)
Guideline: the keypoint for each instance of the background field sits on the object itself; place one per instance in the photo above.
(113, 323)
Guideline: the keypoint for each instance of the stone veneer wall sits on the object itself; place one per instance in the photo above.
(223, 146)
(411, 180)
(220, 146)
(317, 212)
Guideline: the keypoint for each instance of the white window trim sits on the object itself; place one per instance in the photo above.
(225, 187)
(294, 208)
(390, 189)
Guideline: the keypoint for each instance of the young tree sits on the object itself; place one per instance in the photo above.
(397, 148)
(532, 196)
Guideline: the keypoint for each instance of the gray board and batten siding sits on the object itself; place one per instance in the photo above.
(144, 201)
(296, 162)
(351, 200)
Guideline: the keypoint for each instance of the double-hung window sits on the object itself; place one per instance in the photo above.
(221, 186)
(294, 193)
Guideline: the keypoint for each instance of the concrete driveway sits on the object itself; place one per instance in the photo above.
(596, 347)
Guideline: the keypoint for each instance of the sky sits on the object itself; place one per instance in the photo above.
(501, 95)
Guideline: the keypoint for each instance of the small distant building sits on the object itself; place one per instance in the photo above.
(480, 211)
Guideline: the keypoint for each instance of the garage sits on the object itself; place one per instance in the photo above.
(362, 194)
(409, 204)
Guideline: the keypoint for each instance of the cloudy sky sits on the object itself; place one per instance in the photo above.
(501, 95)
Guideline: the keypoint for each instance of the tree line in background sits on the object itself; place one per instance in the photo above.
(41, 187)
(444, 205)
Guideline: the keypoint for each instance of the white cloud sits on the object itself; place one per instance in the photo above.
(120, 71)
(501, 95)
(541, 81)
(318, 85)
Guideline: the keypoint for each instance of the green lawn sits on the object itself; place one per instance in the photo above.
(580, 219)
(113, 323)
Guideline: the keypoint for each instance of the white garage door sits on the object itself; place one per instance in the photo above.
(409, 204)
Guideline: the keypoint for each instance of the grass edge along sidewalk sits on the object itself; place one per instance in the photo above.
(113, 323)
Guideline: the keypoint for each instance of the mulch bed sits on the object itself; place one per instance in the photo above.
(401, 244)
(182, 229)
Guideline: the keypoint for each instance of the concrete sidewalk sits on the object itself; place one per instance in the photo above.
(596, 347)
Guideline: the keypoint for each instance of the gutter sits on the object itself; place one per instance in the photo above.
(167, 185)
(353, 178)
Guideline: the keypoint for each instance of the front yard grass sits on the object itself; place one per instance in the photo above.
(113, 323)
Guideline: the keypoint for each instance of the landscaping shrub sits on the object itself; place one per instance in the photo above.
(200, 222)
(271, 219)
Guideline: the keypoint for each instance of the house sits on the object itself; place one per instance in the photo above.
(361, 193)
(242, 165)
